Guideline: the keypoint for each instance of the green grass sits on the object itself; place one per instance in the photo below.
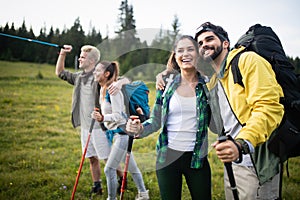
(41, 152)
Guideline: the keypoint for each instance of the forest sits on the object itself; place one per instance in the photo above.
(126, 47)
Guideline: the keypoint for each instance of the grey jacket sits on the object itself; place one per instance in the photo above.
(76, 79)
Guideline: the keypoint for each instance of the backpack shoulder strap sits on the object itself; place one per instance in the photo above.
(237, 76)
(126, 98)
(97, 88)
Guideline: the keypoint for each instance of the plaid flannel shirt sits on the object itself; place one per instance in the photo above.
(159, 117)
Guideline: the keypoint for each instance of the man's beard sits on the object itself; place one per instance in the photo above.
(212, 57)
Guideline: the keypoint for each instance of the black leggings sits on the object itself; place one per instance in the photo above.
(170, 173)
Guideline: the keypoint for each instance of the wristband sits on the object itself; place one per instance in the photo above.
(244, 146)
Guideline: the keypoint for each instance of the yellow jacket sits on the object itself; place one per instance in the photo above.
(256, 105)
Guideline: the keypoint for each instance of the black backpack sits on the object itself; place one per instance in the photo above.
(285, 142)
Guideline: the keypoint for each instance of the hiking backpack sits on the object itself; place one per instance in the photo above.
(136, 95)
(285, 142)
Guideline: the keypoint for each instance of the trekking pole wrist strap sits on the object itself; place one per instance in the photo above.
(141, 129)
(244, 146)
(101, 118)
(240, 159)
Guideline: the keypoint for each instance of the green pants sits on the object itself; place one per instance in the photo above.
(169, 175)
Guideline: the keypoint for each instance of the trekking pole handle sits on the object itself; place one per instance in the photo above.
(93, 121)
(228, 166)
(133, 118)
(129, 147)
(130, 141)
(222, 138)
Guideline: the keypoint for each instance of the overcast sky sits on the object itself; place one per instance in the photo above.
(234, 15)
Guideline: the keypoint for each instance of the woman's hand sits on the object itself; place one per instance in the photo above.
(97, 116)
(134, 126)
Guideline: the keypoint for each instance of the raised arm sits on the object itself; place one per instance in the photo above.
(60, 64)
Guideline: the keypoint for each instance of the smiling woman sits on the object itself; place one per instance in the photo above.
(113, 116)
(183, 113)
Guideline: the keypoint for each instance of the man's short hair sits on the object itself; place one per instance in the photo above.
(94, 53)
(218, 30)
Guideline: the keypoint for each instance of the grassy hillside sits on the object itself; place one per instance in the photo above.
(40, 151)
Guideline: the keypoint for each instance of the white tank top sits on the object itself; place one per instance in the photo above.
(182, 123)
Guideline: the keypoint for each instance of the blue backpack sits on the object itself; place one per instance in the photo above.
(136, 95)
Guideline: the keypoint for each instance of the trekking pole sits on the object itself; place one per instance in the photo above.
(83, 157)
(228, 166)
(32, 40)
(129, 147)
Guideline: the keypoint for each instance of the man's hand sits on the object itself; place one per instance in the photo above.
(115, 87)
(226, 151)
(160, 84)
(60, 64)
(65, 50)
